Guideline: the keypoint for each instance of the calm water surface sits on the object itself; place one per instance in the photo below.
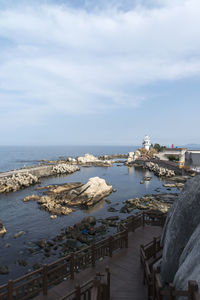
(14, 157)
(19, 216)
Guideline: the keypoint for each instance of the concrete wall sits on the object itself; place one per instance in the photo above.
(192, 158)
(39, 171)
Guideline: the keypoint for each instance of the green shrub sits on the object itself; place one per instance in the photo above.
(173, 157)
(158, 147)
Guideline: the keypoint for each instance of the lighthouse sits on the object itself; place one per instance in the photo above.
(147, 142)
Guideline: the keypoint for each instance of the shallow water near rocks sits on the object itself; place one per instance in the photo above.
(19, 216)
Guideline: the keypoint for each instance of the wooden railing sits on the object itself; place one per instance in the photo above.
(65, 268)
(149, 254)
(94, 289)
(159, 291)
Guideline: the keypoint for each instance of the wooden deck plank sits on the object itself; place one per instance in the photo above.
(126, 272)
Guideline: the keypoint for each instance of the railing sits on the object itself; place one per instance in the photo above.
(94, 289)
(149, 254)
(65, 268)
(170, 292)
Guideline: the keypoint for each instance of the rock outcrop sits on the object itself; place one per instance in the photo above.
(18, 234)
(160, 203)
(61, 199)
(130, 157)
(133, 156)
(90, 159)
(16, 182)
(64, 169)
(181, 237)
(54, 206)
(92, 192)
(189, 262)
(112, 156)
(159, 171)
(31, 198)
(2, 229)
(4, 270)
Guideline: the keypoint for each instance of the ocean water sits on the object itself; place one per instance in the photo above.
(19, 216)
(14, 157)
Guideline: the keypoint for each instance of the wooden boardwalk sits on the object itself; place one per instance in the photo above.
(125, 269)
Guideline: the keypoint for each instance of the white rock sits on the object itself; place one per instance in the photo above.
(89, 158)
(96, 185)
(53, 217)
(94, 190)
(159, 171)
(16, 182)
(64, 169)
(130, 157)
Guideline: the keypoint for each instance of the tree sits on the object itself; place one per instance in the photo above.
(158, 147)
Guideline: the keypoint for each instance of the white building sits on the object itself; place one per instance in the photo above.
(147, 142)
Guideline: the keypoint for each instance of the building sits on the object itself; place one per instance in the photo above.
(147, 142)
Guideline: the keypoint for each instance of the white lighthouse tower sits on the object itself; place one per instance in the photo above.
(147, 142)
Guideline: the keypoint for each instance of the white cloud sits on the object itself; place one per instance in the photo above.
(75, 61)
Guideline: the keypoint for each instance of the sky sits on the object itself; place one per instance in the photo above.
(88, 72)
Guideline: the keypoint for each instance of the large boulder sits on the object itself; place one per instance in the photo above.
(136, 155)
(130, 157)
(93, 191)
(91, 159)
(87, 158)
(182, 221)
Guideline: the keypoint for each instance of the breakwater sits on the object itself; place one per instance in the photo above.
(13, 181)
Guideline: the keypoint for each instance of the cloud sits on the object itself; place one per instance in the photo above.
(59, 59)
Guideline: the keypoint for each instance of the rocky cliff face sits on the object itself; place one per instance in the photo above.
(189, 262)
(181, 235)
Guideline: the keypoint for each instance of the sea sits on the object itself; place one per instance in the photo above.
(15, 157)
(17, 215)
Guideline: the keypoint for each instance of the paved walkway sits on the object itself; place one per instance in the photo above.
(125, 269)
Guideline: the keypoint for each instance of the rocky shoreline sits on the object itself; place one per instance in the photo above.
(159, 203)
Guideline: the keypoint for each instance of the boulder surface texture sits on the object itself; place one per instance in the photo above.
(181, 237)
